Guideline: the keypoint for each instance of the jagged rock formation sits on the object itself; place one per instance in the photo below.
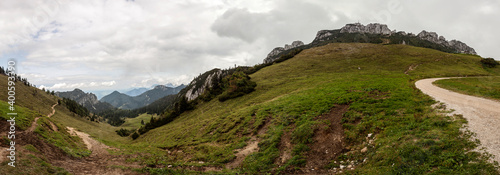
(459, 46)
(276, 51)
(203, 82)
(374, 28)
(87, 100)
(374, 33)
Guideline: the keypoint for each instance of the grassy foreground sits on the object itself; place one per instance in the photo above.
(488, 87)
(375, 82)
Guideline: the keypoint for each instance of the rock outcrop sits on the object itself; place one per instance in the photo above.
(456, 45)
(273, 55)
(79, 96)
(198, 86)
(374, 28)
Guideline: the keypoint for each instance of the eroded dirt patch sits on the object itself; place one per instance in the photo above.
(328, 142)
(252, 146)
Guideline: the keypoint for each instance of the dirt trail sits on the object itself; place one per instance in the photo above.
(99, 162)
(98, 149)
(33, 125)
(483, 114)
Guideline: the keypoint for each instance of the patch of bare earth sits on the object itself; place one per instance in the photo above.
(328, 143)
(252, 146)
(99, 162)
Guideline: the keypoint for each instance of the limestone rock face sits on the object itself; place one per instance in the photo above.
(196, 90)
(322, 34)
(374, 28)
(458, 46)
(276, 51)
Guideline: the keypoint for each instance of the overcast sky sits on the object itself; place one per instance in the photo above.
(118, 44)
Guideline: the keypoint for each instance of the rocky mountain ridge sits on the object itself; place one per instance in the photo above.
(87, 100)
(276, 51)
(374, 33)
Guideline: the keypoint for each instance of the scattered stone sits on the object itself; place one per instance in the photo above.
(364, 150)
(169, 166)
(342, 166)
(349, 166)
(370, 135)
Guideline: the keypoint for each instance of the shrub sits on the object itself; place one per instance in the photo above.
(135, 135)
(489, 62)
(124, 132)
(236, 85)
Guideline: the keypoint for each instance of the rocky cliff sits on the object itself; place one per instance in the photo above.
(374, 28)
(273, 55)
(203, 82)
(456, 45)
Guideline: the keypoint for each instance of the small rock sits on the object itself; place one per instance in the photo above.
(169, 166)
(364, 160)
(342, 166)
(349, 166)
(364, 150)
(201, 162)
(312, 169)
(370, 135)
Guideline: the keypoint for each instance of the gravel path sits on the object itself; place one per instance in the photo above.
(483, 114)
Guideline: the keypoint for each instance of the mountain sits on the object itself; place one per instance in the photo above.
(136, 92)
(323, 110)
(87, 100)
(124, 101)
(374, 33)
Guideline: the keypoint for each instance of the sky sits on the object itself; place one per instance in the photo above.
(104, 45)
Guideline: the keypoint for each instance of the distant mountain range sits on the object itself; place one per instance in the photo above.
(87, 100)
(136, 92)
(126, 101)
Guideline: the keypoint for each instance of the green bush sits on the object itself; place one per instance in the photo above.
(124, 132)
(489, 62)
(135, 135)
(236, 85)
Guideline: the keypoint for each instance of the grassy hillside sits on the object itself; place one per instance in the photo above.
(488, 87)
(369, 86)
(48, 141)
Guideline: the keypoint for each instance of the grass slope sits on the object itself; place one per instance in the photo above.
(376, 81)
(488, 87)
(33, 149)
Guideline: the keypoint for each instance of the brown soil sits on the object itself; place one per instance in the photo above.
(252, 146)
(99, 162)
(285, 147)
(328, 143)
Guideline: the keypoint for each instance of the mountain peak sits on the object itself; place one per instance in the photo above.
(375, 33)
(372, 28)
